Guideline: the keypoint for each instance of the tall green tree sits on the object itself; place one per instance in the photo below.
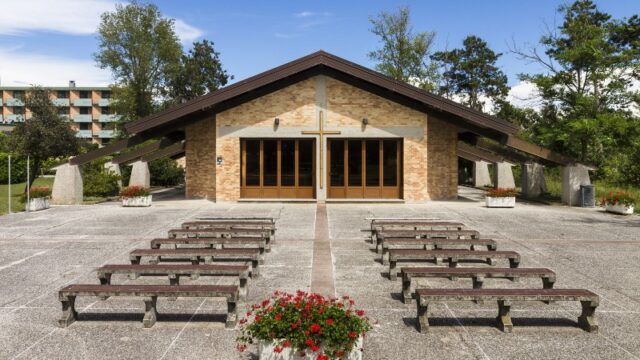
(404, 55)
(200, 72)
(44, 135)
(590, 63)
(471, 72)
(143, 52)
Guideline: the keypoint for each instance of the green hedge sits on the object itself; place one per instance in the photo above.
(18, 169)
(99, 182)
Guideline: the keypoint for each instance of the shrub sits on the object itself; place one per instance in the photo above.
(501, 192)
(305, 322)
(98, 181)
(618, 198)
(134, 191)
(166, 172)
(18, 168)
(37, 192)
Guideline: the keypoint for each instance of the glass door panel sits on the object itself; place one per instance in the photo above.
(252, 153)
(305, 162)
(270, 161)
(337, 163)
(354, 161)
(372, 163)
(288, 163)
(390, 162)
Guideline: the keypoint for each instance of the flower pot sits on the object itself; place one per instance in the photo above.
(501, 202)
(37, 204)
(137, 201)
(266, 352)
(619, 209)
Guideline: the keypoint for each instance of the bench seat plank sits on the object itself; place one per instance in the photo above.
(174, 272)
(477, 274)
(150, 294)
(380, 236)
(259, 242)
(427, 243)
(196, 254)
(452, 256)
(505, 297)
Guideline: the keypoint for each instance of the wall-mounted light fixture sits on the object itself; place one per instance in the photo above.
(219, 160)
(365, 121)
(276, 121)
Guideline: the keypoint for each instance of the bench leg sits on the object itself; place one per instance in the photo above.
(195, 261)
(135, 260)
(150, 312)
(514, 263)
(69, 313)
(254, 267)
(105, 279)
(478, 281)
(491, 261)
(453, 262)
(423, 319)
(232, 314)
(392, 270)
(437, 260)
(504, 316)
(174, 280)
(154, 260)
(384, 258)
(547, 283)
(587, 320)
(406, 289)
(244, 289)
(261, 255)
(378, 245)
(208, 259)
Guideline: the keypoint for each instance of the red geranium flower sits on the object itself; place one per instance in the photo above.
(278, 317)
(329, 321)
(322, 357)
(286, 343)
(353, 334)
(314, 328)
(277, 349)
(360, 312)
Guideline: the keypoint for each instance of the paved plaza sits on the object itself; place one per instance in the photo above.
(41, 252)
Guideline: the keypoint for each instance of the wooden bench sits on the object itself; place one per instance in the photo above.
(195, 255)
(229, 224)
(436, 243)
(427, 234)
(174, 272)
(256, 219)
(150, 294)
(380, 225)
(214, 242)
(505, 297)
(476, 274)
(452, 256)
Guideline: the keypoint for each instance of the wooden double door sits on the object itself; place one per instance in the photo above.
(365, 168)
(277, 168)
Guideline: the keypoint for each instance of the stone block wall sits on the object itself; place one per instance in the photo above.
(200, 159)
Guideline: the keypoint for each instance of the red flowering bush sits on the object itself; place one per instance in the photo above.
(305, 323)
(37, 192)
(133, 191)
(502, 192)
(618, 198)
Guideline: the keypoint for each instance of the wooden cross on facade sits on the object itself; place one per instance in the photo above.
(321, 133)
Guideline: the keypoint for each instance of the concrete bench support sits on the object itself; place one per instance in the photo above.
(140, 175)
(481, 175)
(114, 169)
(533, 183)
(572, 177)
(504, 175)
(67, 185)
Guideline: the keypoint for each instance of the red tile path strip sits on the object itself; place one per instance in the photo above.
(322, 266)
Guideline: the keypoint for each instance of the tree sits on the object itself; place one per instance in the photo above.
(142, 50)
(200, 72)
(404, 55)
(471, 73)
(44, 135)
(590, 64)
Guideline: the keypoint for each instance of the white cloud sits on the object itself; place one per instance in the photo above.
(303, 14)
(23, 69)
(524, 95)
(75, 17)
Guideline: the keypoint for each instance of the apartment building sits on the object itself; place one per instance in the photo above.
(86, 108)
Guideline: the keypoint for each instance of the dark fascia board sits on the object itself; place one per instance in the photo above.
(107, 150)
(325, 61)
(478, 153)
(169, 151)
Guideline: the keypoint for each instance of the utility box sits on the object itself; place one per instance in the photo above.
(587, 196)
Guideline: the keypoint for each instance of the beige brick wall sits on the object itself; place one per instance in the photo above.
(442, 159)
(200, 158)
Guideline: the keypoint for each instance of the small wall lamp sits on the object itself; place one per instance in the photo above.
(365, 121)
(276, 121)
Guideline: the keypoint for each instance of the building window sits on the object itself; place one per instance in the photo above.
(62, 94)
(106, 94)
(105, 141)
(105, 110)
(18, 95)
(84, 94)
(85, 126)
(85, 111)
(18, 110)
(63, 111)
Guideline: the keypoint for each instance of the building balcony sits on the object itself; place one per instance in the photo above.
(81, 118)
(61, 102)
(82, 102)
(109, 118)
(14, 102)
(107, 134)
(14, 118)
(104, 102)
(84, 134)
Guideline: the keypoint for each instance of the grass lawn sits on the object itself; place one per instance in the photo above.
(16, 194)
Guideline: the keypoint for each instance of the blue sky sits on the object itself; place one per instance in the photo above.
(49, 42)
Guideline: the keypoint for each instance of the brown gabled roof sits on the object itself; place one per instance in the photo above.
(325, 62)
